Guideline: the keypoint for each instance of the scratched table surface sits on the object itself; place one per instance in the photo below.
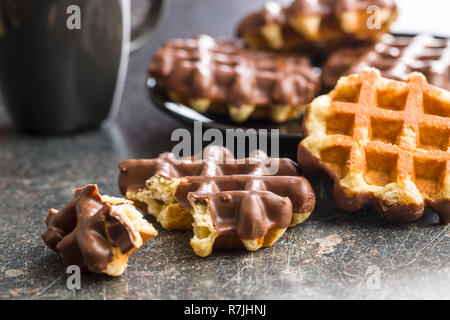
(334, 255)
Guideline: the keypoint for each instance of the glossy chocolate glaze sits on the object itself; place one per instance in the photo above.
(247, 214)
(85, 231)
(311, 7)
(357, 201)
(331, 7)
(349, 200)
(224, 71)
(273, 13)
(359, 5)
(249, 205)
(327, 9)
(134, 172)
(243, 195)
(396, 57)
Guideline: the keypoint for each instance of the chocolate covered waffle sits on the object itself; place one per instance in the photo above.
(384, 143)
(396, 57)
(229, 202)
(97, 233)
(324, 22)
(223, 77)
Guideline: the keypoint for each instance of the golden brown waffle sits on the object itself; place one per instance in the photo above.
(223, 77)
(246, 202)
(325, 22)
(384, 143)
(396, 57)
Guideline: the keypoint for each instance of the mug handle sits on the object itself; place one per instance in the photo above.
(143, 32)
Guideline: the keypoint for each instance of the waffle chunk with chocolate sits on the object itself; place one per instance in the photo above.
(97, 233)
(229, 202)
(396, 57)
(384, 143)
(325, 22)
(223, 77)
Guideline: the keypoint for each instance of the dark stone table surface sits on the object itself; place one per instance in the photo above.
(332, 255)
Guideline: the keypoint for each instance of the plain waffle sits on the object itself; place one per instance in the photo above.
(325, 22)
(384, 143)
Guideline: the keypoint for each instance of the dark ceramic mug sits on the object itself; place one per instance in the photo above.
(63, 62)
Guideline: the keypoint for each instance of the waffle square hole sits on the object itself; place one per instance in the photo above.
(380, 167)
(340, 123)
(385, 130)
(348, 93)
(337, 159)
(392, 100)
(428, 175)
(432, 138)
(435, 106)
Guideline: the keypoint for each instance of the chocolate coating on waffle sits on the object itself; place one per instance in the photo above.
(85, 231)
(247, 205)
(396, 57)
(224, 71)
(273, 12)
(330, 7)
(384, 143)
(316, 26)
(216, 161)
(247, 214)
(246, 197)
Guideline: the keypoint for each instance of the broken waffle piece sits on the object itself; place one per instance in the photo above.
(97, 233)
(396, 57)
(222, 77)
(384, 143)
(228, 202)
(321, 22)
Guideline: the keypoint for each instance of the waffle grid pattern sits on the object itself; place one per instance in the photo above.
(97, 233)
(205, 71)
(385, 138)
(218, 173)
(251, 183)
